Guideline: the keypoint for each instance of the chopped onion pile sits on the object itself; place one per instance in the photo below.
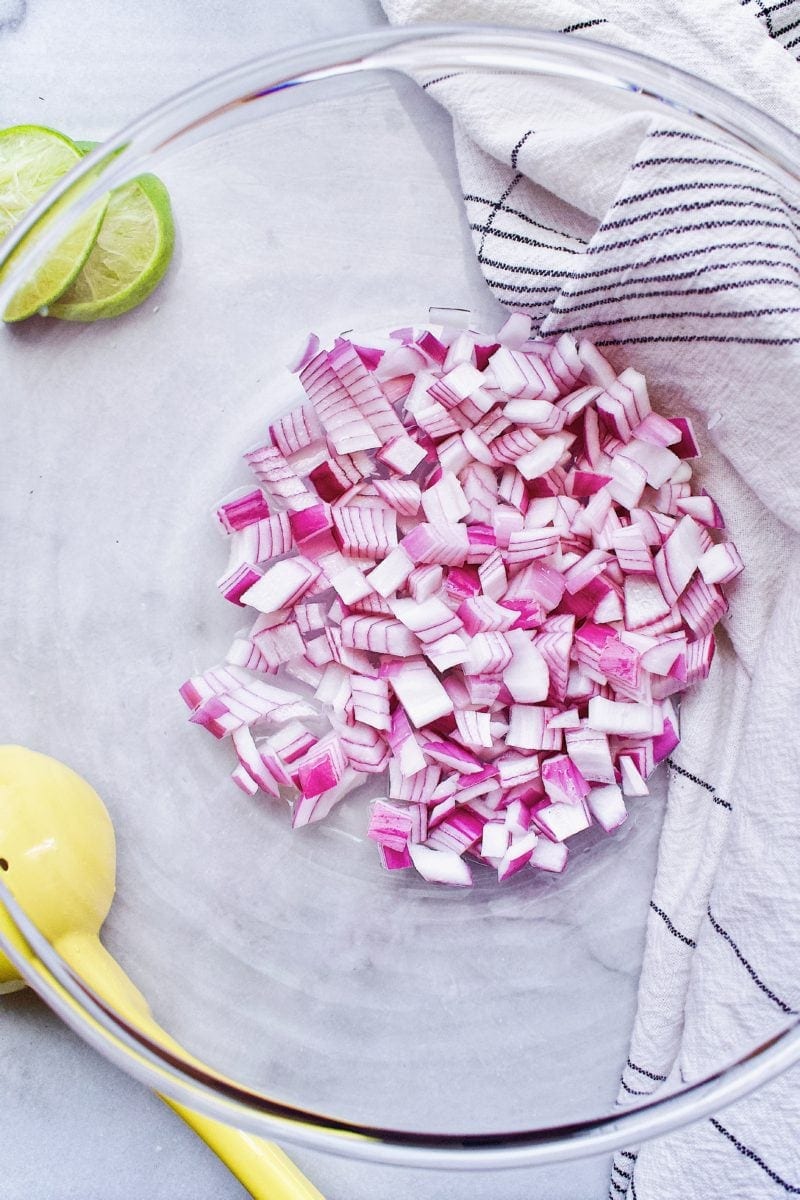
(482, 564)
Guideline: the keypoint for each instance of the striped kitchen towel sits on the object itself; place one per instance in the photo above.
(680, 255)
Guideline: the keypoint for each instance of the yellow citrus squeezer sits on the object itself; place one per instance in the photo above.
(58, 858)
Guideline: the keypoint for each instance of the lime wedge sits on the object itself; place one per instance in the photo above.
(60, 267)
(32, 159)
(129, 258)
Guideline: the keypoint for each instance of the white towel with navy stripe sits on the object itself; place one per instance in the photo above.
(680, 256)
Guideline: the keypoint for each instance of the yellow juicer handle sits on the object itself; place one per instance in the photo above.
(260, 1166)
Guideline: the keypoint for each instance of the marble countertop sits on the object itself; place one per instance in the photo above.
(73, 1125)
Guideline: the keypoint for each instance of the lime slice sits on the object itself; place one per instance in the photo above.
(129, 258)
(32, 159)
(60, 267)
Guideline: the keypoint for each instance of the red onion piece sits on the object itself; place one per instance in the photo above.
(549, 856)
(633, 783)
(607, 807)
(296, 431)
(686, 446)
(305, 354)
(561, 820)
(440, 866)
(277, 477)
(239, 511)
(721, 563)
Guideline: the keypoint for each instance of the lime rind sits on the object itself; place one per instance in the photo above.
(130, 257)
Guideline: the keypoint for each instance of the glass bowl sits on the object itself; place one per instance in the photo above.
(330, 1004)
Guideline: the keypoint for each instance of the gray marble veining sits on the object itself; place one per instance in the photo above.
(12, 14)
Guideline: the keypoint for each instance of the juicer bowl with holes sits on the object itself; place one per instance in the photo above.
(334, 1006)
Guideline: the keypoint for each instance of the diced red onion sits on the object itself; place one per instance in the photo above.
(525, 545)
(440, 866)
(309, 809)
(445, 545)
(721, 563)
(371, 701)
(686, 446)
(390, 575)
(597, 369)
(621, 717)
(531, 627)
(282, 584)
(494, 839)
(529, 728)
(252, 762)
(679, 557)
(657, 430)
(364, 748)
(564, 362)
(425, 581)
(480, 614)
(445, 503)
(461, 347)
(421, 693)
(480, 486)
(515, 770)
(402, 454)
(539, 461)
(456, 384)
(549, 856)
(234, 584)
(280, 645)
(435, 350)
(561, 820)
(628, 479)
(563, 781)
(296, 431)
(277, 478)
(589, 750)
(644, 602)
(633, 783)
(403, 495)
(515, 332)
(389, 825)
(632, 551)
(492, 575)
(701, 606)
(607, 807)
(244, 780)
(489, 654)
(702, 508)
(615, 414)
(309, 348)
(517, 856)
(365, 531)
(241, 510)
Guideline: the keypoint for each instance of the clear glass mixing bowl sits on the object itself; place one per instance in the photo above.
(314, 190)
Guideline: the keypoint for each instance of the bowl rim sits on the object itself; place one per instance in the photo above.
(162, 1070)
(179, 119)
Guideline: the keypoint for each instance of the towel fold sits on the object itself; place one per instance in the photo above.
(680, 254)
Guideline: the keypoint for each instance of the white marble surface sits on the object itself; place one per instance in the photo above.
(73, 1126)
